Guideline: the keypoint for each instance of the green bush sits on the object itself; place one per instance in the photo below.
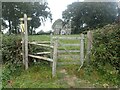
(11, 49)
(106, 46)
(106, 50)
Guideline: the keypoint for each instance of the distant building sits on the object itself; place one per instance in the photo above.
(59, 27)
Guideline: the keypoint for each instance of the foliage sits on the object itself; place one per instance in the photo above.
(11, 57)
(13, 11)
(11, 46)
(91, 14)
(106, 49)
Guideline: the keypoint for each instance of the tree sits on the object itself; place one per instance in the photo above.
(13, 11)
(93, 14)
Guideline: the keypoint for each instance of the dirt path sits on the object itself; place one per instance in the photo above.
(72, 81)
(69, 79)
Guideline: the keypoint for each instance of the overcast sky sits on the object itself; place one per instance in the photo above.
(56, 7)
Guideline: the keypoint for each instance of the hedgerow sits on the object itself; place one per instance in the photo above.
(106, 50)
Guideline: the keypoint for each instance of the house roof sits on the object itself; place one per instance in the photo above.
(57, 22)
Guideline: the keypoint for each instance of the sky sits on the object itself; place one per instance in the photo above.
(56, 7)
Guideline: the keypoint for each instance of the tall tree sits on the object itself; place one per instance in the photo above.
(13, 11)
(93, 14)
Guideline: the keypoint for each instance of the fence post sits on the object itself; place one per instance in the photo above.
(51, 44)
(89, 45)
(26, 42)
(23, 47)
(54, 57)
(82, 49)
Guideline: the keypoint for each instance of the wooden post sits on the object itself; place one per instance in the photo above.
(26, 42)
(51, 44)
(89, 45)
(23, 41)
(1, 45)
(54, 58)
(82, 49)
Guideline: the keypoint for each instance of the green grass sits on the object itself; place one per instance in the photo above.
(40, 76)
(36, 76)
(39, 38)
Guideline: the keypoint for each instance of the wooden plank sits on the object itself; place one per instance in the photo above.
(44, 45)
(54, 58)
(40, 57)
(43, 53)
(68, 38)
(71, 51)
(43, 42)
(71, 45)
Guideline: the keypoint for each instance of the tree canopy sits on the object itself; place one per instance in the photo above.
(13, 11)
(90, 14)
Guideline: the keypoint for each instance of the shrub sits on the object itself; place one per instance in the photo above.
(106, 50)
(106, 46)
(11, 49)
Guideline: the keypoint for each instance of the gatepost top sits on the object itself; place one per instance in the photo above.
(25, 17)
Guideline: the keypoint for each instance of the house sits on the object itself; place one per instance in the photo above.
(57, 26)
(60, 28)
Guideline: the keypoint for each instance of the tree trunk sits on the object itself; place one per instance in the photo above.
(31, 30)
(9, 27)
(16, 31)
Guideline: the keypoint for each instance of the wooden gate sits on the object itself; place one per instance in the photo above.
(70, 50)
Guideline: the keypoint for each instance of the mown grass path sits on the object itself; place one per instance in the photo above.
(39, 76)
